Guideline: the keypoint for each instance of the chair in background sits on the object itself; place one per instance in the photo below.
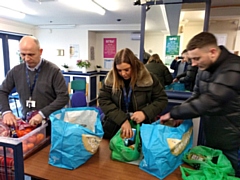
(99, 87)
(78, 85)
(78, 100)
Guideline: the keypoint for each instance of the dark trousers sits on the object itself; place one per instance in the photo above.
(234, 157)
(110, 128)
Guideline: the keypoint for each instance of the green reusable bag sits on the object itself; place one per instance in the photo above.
(204, 174)
(210, 164)
(191, 174)
(124, 153)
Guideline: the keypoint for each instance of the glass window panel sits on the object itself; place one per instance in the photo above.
(13, 52)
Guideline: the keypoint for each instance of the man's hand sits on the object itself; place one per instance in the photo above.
(138, 117)
(9, 119)
(126, 130)
(165, 118)
(35, 120)
(178, 122)
(175, 80)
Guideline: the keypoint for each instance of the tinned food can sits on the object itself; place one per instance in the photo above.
(130, 141)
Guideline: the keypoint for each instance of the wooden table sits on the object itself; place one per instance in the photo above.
(98, 167)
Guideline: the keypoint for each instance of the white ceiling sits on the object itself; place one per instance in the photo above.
(53, 12)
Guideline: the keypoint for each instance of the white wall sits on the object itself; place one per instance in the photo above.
(190, 30)
(237, 41)
(85, 36)
(15, 27)
(154, 44)
(123, 41)
(225, 27)
(51, 40)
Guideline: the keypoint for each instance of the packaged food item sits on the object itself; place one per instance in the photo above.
(30, 141)
(30, 114)
(13, 133)
(23, 128)
(198, 157)
(130, 141)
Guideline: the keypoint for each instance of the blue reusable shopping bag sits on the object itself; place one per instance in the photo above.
(163, 147)
(76, 135)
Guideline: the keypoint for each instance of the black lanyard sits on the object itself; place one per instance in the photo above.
(127, 97)
(31, 88)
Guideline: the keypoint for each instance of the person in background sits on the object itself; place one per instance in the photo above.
(156, 67)
(146, 56)
(39, 83)
(129, 92)
(179, 64)
(188, 77)
(216, 96)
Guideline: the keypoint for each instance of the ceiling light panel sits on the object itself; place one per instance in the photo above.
(109, 4)
(11, 13)
(17, 6)
(57, 26)
(86, 5)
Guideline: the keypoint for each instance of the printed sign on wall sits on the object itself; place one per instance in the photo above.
(172, 48)
(172, 45)
(74, 51)
(109, 47)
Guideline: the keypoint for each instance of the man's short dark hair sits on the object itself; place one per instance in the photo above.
(201, 40)
(184, 51)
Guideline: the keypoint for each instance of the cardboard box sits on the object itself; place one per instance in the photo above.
(30, 141)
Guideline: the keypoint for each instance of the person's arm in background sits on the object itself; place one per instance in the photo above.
(180, 76)
(174, 64)
(167, 77)
(190, 74)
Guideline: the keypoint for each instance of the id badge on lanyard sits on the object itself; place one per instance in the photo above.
(31, 103)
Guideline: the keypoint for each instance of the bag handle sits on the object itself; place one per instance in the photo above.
(62, 113)
(137, 127)
(195, 174)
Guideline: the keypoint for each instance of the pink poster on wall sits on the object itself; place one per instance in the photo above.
(109, 47)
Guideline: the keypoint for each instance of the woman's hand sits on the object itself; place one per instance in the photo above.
(138, 117)
(126, 130)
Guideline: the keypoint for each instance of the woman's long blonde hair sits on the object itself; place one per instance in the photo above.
(125, 56)
(155, 58)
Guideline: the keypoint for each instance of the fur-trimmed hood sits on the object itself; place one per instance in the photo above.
(144, 78)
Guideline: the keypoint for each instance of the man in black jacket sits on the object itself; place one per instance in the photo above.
(216, 96)
(188, 77)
